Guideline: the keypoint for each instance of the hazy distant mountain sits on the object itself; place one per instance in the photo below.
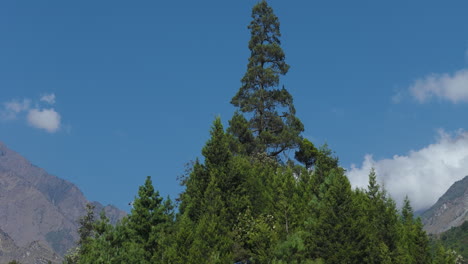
(36, 252)
(37, 206)
(450, 210)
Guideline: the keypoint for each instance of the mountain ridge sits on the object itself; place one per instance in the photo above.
(38, 206)
(450, 210)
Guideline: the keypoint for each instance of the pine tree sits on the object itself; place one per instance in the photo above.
(373, 189)
(381, 223)
(273, 121)
(307, 153)
(286, 201)
(217, 157)
(407, 215)
(196, 185)
(215, 195)
(239, 128)
(324, 163)
(334, 231)
(212, 242)
(86, 229)
(178, 242)
(421, 243)
(256, 237)
(414, 243)
(216, 151)
(375, 246)
(231, 173)
(148, 219)
(86, 232)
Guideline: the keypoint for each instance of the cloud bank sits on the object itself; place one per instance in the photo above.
(424, 175)
(46, 119)
(39, 117)
(13, 108)
(451, 87)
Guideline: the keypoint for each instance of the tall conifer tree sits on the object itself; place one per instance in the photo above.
(148, 217)
(271, 110)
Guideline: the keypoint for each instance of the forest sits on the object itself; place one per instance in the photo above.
(455, 238)
(261, 192)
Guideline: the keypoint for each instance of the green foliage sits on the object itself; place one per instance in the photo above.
(381, 221)
(443, 255)
(244, 204)
(256, 235)
(136, 239)
(292, 250)
(255, 209)
(324, 163)
(216, 150)
(244, 140)
(72, 256)
(178, 244)
(85, 231)
(148, 218)
(307, 153)
(454, 241)
(273, 123)
(334, 230)
(413, 246)
(212, 242)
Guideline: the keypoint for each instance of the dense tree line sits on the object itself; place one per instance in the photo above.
(248, 201)
(456, 238)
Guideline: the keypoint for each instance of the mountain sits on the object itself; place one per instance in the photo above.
(450, 210)
(37, 206)
(35, 252)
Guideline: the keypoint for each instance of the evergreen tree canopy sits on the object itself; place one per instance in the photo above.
(148, 218)
(216, 150)
(272, 113)
(307, 153)
(242, 204)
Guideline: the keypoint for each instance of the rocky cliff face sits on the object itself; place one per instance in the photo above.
(450, 210)
(35, 252)
(37, 206)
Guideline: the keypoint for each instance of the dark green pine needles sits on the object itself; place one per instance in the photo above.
(271, 110)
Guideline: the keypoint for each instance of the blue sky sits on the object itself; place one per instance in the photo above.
(104, 93)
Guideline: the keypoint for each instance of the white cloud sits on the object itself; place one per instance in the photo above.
(12, 108)
(48, 98)
(47, 119)
(424, 175)
(42, 118)
(446, 86)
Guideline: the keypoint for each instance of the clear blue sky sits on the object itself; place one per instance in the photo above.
(137, 84)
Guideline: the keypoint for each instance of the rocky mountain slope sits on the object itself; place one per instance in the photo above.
(37, 206)
(35, 252)
(449, 211)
